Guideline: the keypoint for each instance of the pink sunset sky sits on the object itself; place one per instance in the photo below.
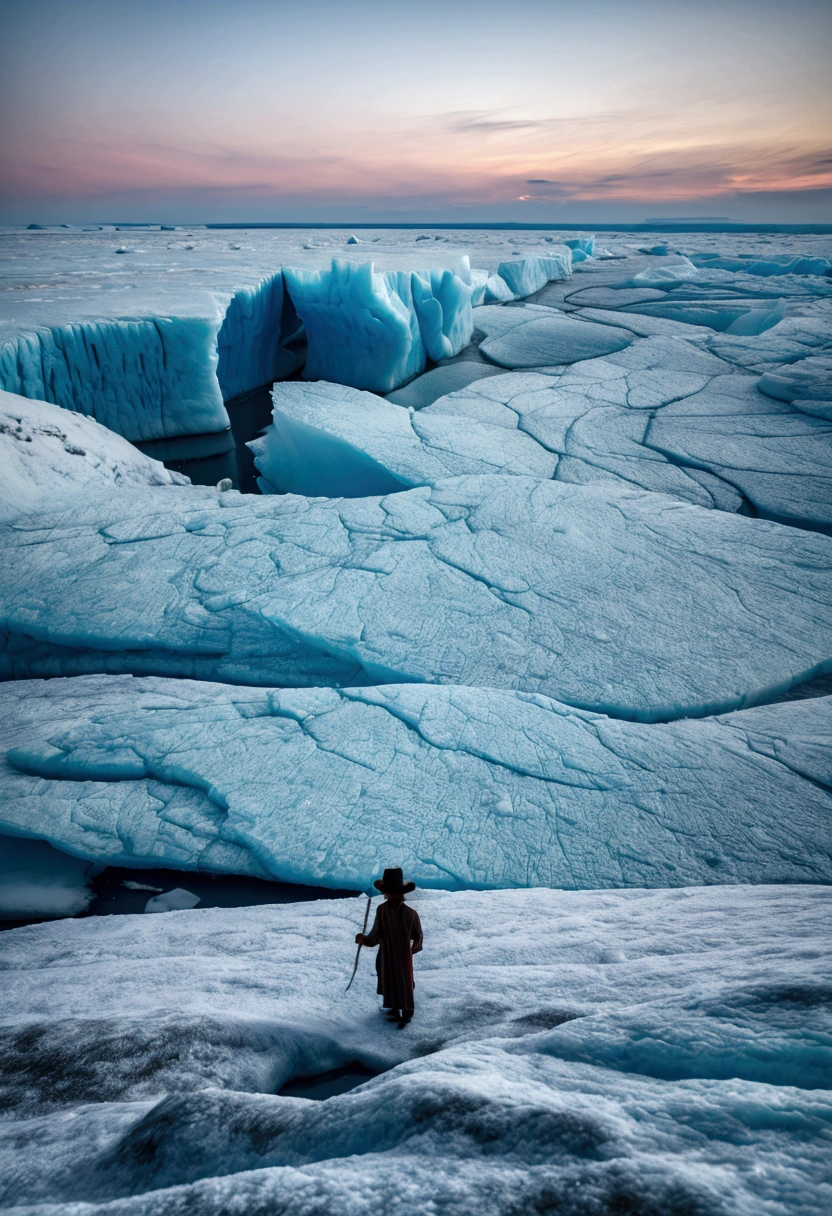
(604, 109)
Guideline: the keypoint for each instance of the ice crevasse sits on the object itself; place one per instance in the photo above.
(166, 369)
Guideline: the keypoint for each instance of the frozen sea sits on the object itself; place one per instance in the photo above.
(505, 556)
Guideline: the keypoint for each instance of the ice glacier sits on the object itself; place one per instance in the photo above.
(468, 787)
(659, 1052)
(473, 580)
(361, 325)
(154, 346)
(524, 276)
(48, 454)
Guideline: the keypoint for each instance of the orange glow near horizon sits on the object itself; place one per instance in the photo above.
(552, 104)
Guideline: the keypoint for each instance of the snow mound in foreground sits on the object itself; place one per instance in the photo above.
(661, 1052)
(47, 454)
(469, 787)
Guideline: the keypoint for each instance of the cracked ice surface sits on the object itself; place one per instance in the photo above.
(468, 787)
(475, 581)
(662, 1052)
(331, 440)
(669, 416)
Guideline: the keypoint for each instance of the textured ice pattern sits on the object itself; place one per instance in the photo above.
(335, 441)
(509, 628)
(467, 787)
(143, 379)
(662, 1053)
(669, 416)
(361, 325)
(154, 357)
(473, 580)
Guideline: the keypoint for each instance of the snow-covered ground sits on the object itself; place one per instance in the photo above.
(528, 627)
(658, 1052)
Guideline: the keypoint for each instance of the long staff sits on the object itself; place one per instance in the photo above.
(358, 951)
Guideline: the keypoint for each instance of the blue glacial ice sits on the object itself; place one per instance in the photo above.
(525, 276)
(473, 580)
(334, 441)
(669, 416)
(664, 1052)
(143, 379)
(361, 325)
(778, 264)
(48, 455)
(581, 244)
(468, 787)
(153, 343)
(442, 300)
(375, 329)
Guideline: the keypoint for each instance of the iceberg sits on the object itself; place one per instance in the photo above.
(468, 787)
(662, 1052)
(361, 326)
(334, 441)
(442, 299)
(143, 379)
(601, 596)
(374, 330)
(497, 291)
(582, 244)
(48, 454)
(525, 276)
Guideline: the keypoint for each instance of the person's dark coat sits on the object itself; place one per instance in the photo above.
(397, 932)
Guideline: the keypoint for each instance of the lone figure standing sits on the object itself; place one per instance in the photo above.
(397, 932)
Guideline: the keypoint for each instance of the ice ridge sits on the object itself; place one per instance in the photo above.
(472, 580)
(470, 787)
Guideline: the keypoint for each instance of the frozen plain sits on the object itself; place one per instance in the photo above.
(656, 1052)
(707, 396)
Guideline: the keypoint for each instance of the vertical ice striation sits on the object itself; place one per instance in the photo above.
(442, 299)
(250, 341)
(143, 379)
(361, 325)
